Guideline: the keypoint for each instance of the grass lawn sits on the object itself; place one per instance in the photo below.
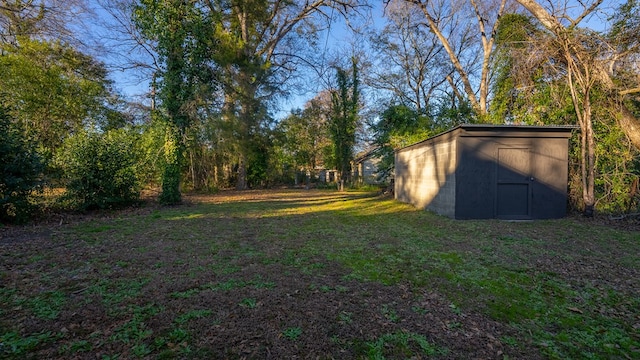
(316, 274)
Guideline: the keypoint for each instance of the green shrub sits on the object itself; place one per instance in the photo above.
(20, 173)
(617, 170)
(99, 169)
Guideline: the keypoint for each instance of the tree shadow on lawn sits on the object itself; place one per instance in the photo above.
(298, 274)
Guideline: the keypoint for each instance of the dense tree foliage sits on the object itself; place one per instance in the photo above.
(20, 171)
(53, 90)
(49, 91)
(399, 126)
(218, 71)
(252, 47)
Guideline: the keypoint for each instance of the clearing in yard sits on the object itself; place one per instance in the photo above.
(316, 274)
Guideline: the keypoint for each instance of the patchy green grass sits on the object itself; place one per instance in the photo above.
(402, 345)
(292, 333)
(363, 276)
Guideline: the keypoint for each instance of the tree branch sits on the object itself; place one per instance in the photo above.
(630, 91)
(585, 13)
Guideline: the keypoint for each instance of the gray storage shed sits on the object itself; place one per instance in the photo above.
(487, 171)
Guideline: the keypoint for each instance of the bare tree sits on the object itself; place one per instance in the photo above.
(410, 61)
(589, 61)
(44, 19)
(121, 38)
(439, 16)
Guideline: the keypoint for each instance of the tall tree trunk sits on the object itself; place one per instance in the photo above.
(241, 183)
(589, 192)
(487, 36)
(193, 171)
(248, 124)
(582, 108)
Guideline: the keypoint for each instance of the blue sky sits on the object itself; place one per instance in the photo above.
(134, 83)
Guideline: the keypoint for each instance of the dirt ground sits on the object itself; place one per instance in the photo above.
(249, 312)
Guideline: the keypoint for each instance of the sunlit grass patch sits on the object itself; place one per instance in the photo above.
(158, 278)
(185, 217)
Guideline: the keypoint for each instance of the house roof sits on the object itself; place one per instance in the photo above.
(365, 155)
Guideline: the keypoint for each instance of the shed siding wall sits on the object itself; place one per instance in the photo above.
(551, 179)
(477, 178)
(475, 195)
(425, 176)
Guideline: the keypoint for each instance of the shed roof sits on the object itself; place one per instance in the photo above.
(491, 130)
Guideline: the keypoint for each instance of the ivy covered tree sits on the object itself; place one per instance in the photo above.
(182, 34)
(343, 121)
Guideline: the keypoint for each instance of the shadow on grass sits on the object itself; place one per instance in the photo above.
(393, 278)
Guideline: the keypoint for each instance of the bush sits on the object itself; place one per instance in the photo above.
(20, 173)
(99, 169)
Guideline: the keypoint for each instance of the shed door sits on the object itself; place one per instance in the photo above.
(514, 183)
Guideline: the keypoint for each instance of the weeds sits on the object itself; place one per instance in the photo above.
(249, 303)
(345, 317)
(292, 333)
(193, 314)
(566, 286)
(117, 292)
(78, 347)
(135, 330)
(14, 345)
(402, 345)
(389, 313)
